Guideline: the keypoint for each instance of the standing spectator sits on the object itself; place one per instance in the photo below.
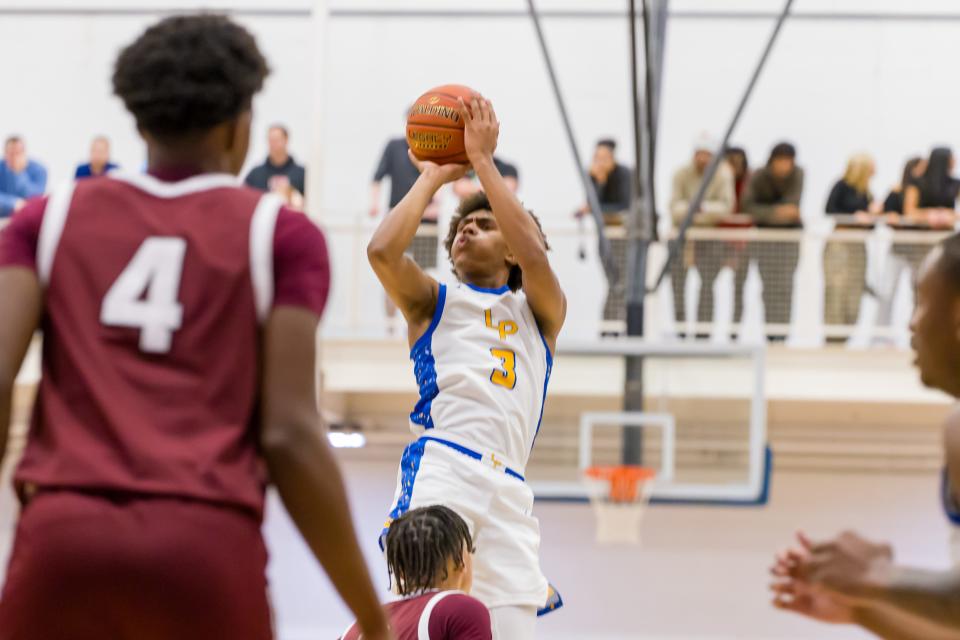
(845, 263)
(736, 157)
(719, 198)
(610, 179)
(394, 164)
(20, 177)
(280, 173)
(932, 199)
(772, 199)
(711, 255)
(851, 194)
(912, 171)
(469, 185)
(612, 182)
(99, 160)
(773, 194)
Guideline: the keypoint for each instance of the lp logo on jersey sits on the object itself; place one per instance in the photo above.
(504, 327)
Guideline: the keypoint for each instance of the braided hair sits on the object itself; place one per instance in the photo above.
(420, 546)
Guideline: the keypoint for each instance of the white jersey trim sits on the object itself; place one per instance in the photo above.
(161, 189)
(51, 228)
(263, 227)
(423, 629)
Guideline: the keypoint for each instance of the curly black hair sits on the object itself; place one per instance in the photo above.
(480, 202)
(187, 74)
(420, 545)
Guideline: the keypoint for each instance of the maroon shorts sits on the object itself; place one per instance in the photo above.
(93, 567)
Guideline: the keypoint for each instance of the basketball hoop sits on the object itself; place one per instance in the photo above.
(619, 495)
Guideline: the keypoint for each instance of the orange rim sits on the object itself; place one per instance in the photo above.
(624, 480)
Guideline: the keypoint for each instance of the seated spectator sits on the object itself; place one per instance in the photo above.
(932, 198)
(773, 194)
(280, 173)
(912, 171)
(719, 198)
(430, 559)
(851, 194)
(20, 177)
(736, 157)
(99, 160)
(610, 179)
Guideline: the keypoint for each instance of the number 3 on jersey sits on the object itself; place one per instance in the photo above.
(507, 376)
(145, 294)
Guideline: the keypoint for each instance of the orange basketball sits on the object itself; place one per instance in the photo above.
(434, 125)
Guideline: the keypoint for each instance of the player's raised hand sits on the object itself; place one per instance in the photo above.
(481, 128)
(444, 172)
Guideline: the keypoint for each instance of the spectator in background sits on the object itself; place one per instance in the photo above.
(736, 157)
(845, 263)
(468, 185)
(610, 179)
(932, 199)
(912, 171)
(851, 194)
(719, 198)
(772, 196)
(395, 164)
(20, 177)
(280, 173)
(772, 199)
(99, 160)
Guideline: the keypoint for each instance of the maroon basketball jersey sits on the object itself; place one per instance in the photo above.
(436, 615)
(154, 296)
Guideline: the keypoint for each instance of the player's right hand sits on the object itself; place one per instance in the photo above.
(444, 172)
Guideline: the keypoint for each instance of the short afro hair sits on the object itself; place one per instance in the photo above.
(480, 202)
(188, 74)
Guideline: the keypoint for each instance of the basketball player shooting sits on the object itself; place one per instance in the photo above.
(482, 352)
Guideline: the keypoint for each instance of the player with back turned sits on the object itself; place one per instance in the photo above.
(482, 352)
(179, 312)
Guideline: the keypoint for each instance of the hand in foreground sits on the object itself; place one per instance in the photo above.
(791, 594)
(849, 565)
(481, 128)
(445, 172)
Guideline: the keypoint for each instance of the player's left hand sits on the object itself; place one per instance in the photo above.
(481, 128)
(848, 565)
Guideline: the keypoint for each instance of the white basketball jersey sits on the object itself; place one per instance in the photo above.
(483, 369)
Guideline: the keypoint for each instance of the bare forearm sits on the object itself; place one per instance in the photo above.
(929, 595)
(396, 231)
(895, 625)
(309, 482)
(518, 228)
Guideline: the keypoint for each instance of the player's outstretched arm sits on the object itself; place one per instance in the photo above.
(520, 231)
(412, 290)
(855, 569)
(20, 291)
(303, 467)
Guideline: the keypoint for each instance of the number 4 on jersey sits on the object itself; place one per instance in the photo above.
(145, 294)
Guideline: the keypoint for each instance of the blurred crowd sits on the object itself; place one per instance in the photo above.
(23, 177)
